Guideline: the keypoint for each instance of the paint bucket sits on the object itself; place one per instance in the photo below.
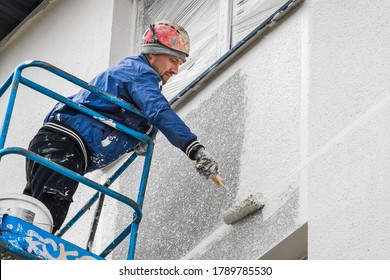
(26, 208)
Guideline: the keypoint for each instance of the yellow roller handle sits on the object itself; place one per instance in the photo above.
(218, 181)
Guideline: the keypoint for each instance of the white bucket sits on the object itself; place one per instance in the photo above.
(26, 208)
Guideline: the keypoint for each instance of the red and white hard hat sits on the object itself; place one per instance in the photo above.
(163, 37)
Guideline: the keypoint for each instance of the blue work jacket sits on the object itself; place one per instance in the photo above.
(136, 82)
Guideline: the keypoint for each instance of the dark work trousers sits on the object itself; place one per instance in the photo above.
(53, 189)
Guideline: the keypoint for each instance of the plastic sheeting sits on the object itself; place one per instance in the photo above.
(201, 20)
(248, 14)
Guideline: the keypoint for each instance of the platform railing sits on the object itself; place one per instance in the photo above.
(15, 79)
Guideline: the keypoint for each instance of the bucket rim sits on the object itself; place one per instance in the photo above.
(29, 199)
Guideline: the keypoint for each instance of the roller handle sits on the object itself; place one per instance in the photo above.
(217, 180)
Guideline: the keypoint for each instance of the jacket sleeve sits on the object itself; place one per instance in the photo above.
(146, 93)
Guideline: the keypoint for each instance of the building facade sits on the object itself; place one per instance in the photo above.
(298, 112)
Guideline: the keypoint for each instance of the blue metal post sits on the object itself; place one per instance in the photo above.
(6, 85)
(141, 195)
(117, 240)
(11, 103)
(78, 215)
(120, 170)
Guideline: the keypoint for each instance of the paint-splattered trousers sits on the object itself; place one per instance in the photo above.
(53, 189)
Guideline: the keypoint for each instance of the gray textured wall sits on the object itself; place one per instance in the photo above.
(181, 208)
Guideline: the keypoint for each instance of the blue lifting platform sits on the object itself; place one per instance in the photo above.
(20, 239)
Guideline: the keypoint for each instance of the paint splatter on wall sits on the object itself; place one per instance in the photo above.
(180, 206)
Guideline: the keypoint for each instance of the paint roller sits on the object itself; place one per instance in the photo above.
(242, 208)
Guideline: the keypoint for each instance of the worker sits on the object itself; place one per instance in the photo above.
(84, 144)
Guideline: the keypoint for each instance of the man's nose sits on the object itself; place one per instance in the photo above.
(175, 69)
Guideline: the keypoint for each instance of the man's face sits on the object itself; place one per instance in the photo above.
(165, 65)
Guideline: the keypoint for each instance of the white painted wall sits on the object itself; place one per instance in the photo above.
(300, 116)
(348, 115)
(62, 36)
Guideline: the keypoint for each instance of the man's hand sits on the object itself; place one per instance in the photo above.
(205, 164)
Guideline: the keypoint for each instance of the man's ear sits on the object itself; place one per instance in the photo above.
(150, 57)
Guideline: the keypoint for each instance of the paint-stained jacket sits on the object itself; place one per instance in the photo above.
(136, 82)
